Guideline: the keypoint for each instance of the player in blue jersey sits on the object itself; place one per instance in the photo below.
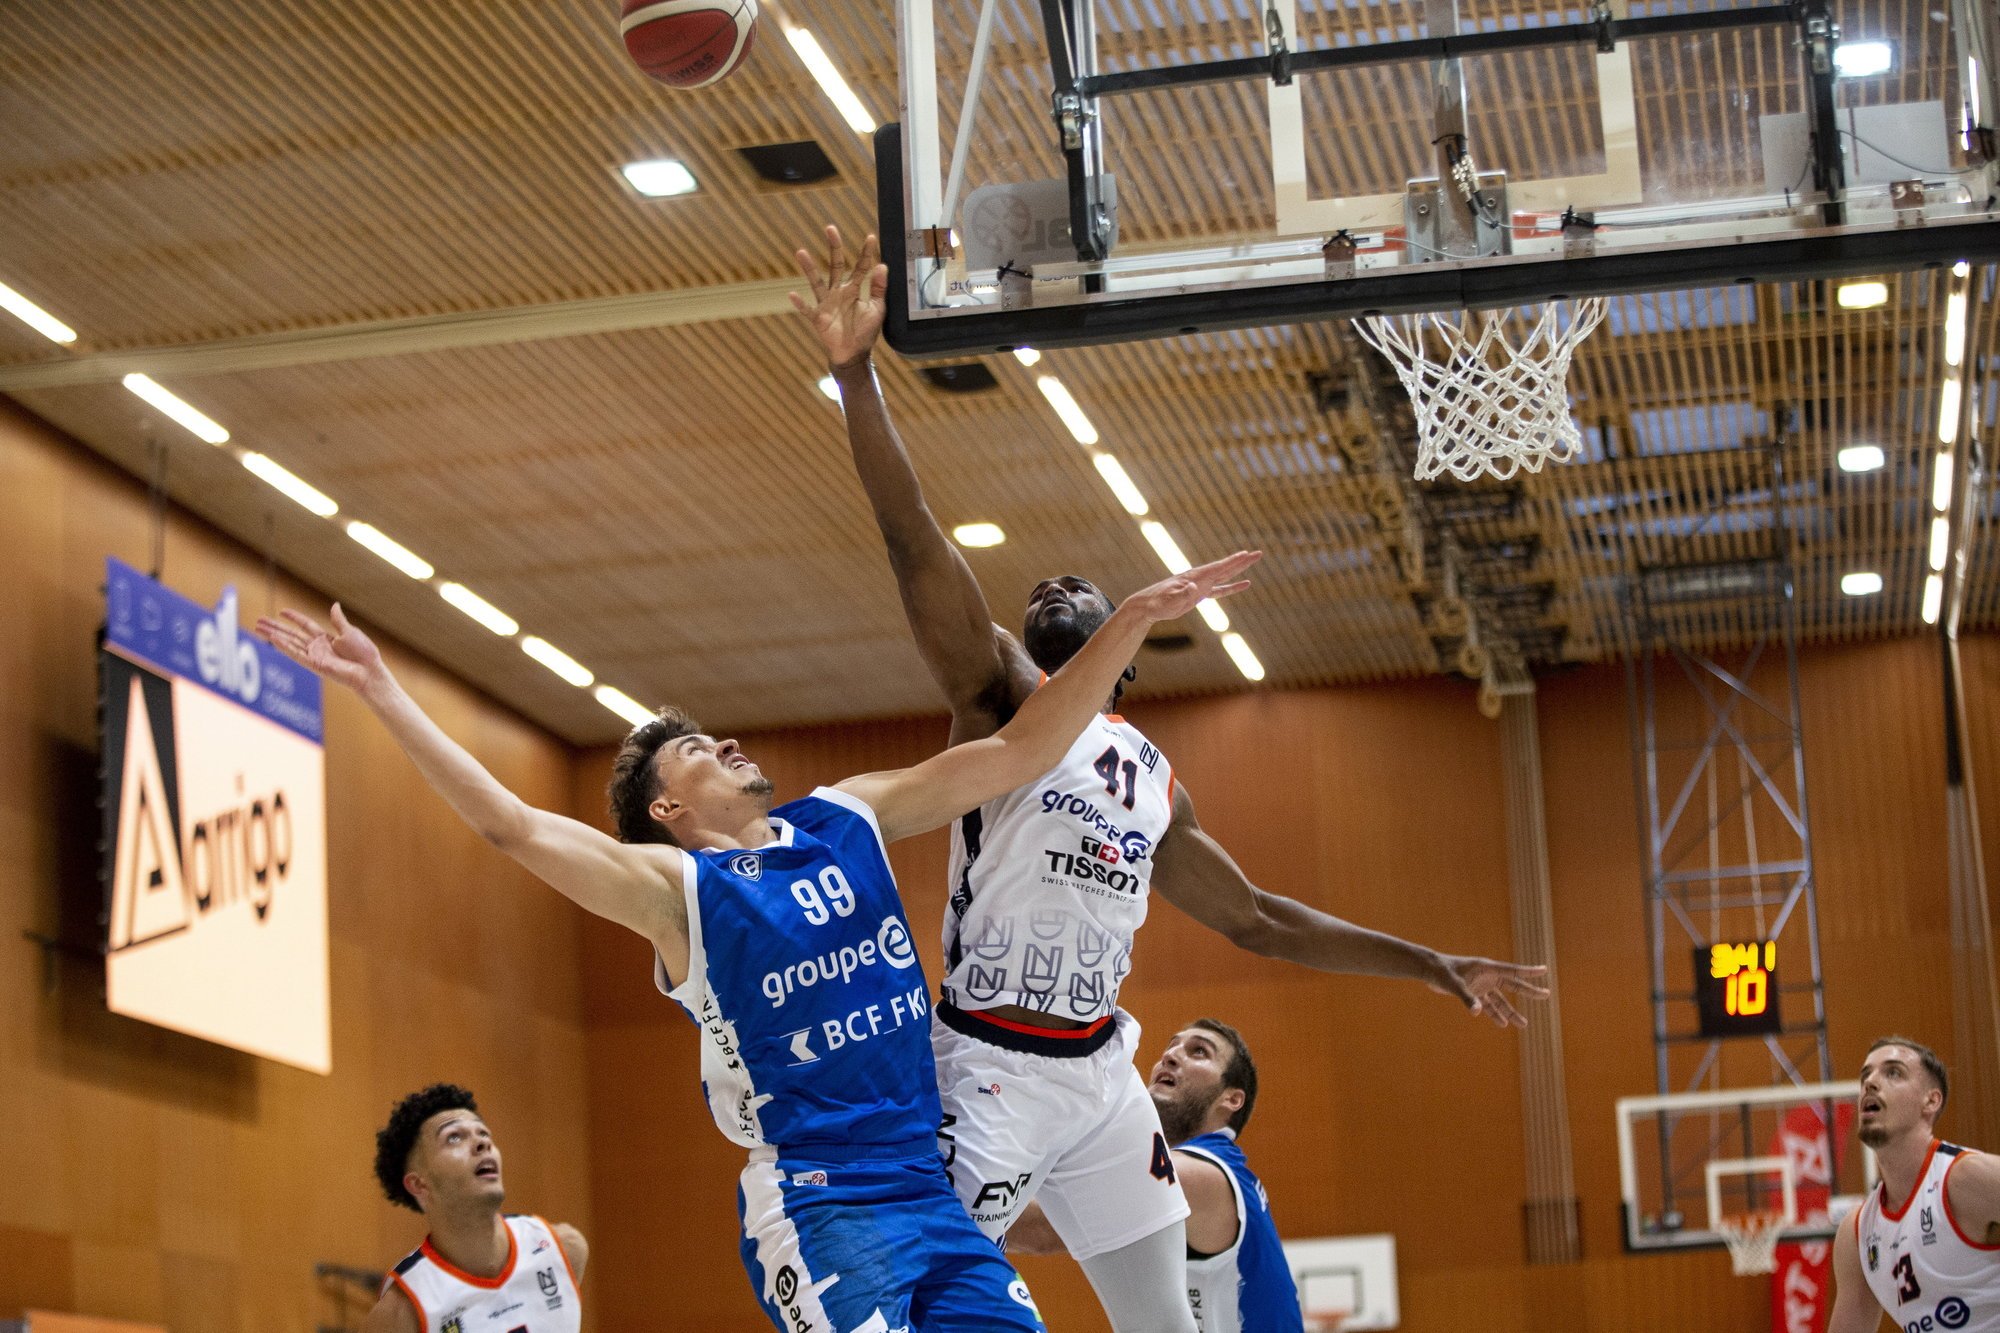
(1205, 1086)
(780, 932)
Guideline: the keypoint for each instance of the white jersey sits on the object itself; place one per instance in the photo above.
(1926, 1272)
(534, 1293)
(1049, 882)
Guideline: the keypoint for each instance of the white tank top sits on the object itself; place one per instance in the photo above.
(1928, 1274)
(535, 1293)
(1049, 882)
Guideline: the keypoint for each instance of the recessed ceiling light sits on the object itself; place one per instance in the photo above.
(556, 660)
(1941, 481)
(829, 386)
(481, 610)
(978, 534)
(290, 485)
(1121, 485)
(830, 82)
(1940, 540)
(659, 177)
(1861, 295)
(200, 424)
(1165, 547)
(1861, 458)
(1948, 400)
(1861, 583)
(1027, 356)
(1933, 598)
(1239, 653)
(36, 318)
(1066, 407)
(397, 554)
(1212, 614)
(1858, 60)
(623, 704)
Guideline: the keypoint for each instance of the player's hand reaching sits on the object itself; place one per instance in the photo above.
(346, 656)
(1490, 988)
(1175, 596)
(846, 308)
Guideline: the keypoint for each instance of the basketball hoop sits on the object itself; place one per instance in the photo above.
(1753, 1241)
(1326, 1321)
(1489, 402)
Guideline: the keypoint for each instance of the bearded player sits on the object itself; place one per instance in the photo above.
(1050, 882)
(1924, 1246)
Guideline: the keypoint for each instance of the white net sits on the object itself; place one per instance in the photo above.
(1491, 391)
(1753, 1241)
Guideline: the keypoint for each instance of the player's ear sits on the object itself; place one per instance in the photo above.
(419, 1188)
(668, 811)
(1231, 1100)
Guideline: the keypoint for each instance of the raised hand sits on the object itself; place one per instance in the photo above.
(346, 656)
(1490, 988)
(1175, 596)
(846, 307)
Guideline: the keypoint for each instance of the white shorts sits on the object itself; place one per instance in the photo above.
(1077, 1132)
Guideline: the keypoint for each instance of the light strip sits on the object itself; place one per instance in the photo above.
(830, 386)
(1113, 472)
(556, 660)
(830, 82)
(1861, 295)
(397, 554)
(1164, 545)
(1940, 540)
(290, 485)
(202, 426)
(1027, 356)
(481, 610)
(1239, 653)
(1213, 615)
(1933, 598)
(1948, 411)
(36, 318)
(1861, 583)
(623, 704)
(1954, 328)
(1066, 407)
(1941, 481)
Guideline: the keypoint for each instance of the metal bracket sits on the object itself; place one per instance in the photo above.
(1600, 18)
(1822, 35)
(933, 243)
(1281, 54)
(1579, 233)
(1072, 118)
(1907, 197)
(1338, 252)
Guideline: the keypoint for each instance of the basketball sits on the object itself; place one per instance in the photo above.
(689, 43)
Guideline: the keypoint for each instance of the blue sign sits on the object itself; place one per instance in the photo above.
(154, 624)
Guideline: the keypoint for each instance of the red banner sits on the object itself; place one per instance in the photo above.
(1802, 1284)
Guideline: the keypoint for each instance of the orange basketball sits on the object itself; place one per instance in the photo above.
(689, 43)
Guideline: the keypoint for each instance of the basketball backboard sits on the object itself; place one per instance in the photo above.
(1076, 171)
(1346, 1282)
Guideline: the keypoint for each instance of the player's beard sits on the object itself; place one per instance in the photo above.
(1053, 641)
(758, 786)
(1182, 1117)
(1875, 1135)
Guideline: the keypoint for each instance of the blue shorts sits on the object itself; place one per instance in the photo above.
(873, 1247)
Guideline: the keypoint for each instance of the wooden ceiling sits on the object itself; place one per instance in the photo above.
(246, 183)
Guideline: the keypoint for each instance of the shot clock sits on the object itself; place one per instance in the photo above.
(1736, 989)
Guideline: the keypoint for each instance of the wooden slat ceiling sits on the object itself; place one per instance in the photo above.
(674, 506)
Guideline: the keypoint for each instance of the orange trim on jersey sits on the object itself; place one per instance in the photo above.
(1060, 1034)
(423, 1320)
(1896, 1214)
(1113, 717)
(1944, 1188)
(471, 1279)
(556, 1236)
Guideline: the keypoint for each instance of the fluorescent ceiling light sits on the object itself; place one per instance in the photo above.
(1861, 295)
(203, 426)
(1860, 458)
(556, 660)
(397, 554)
(36, 318)
(623, 704)
(830, 82)
(1121, 485)
(1861, 583)
(1940, 540)
(1963, 268)
(1169, 552)
(1954, 328)
(1239, 653)
(1858, 60)
(481, 610)
(830, 387)
(1948, 410)
(1933, 598)
(659, 178)
(1212, 614)
(290, 485)
(1027, 356)
(1941, 481)
(978, 534)
(1066, 408)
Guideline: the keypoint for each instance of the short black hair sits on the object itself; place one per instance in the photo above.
(635, 775)
(1241, 1072)
(1932, 1065)
(394, 1140)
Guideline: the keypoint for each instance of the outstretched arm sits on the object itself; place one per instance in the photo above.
(1193, 872)
(636, 886)
(981, 671)
(1854, 1306)
(968, 775)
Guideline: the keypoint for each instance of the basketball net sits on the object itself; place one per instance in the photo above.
(1753, 1241)
(1326, 1321)
(1488, 402)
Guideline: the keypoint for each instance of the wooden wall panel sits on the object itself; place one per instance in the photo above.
(146, 1175)
(1383, 1108)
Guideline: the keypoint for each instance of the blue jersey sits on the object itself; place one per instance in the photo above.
(1248, 1287)
(814, 1012)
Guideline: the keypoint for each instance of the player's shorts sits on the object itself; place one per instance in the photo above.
(1061, 1117)
(873, 1246)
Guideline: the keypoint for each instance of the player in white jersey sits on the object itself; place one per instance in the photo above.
(1050, 882)
(479, 1270)
(1924, 1246)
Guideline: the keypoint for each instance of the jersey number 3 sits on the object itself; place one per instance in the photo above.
(1109, 766)
(1163, 1160)
(1905, 1274)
